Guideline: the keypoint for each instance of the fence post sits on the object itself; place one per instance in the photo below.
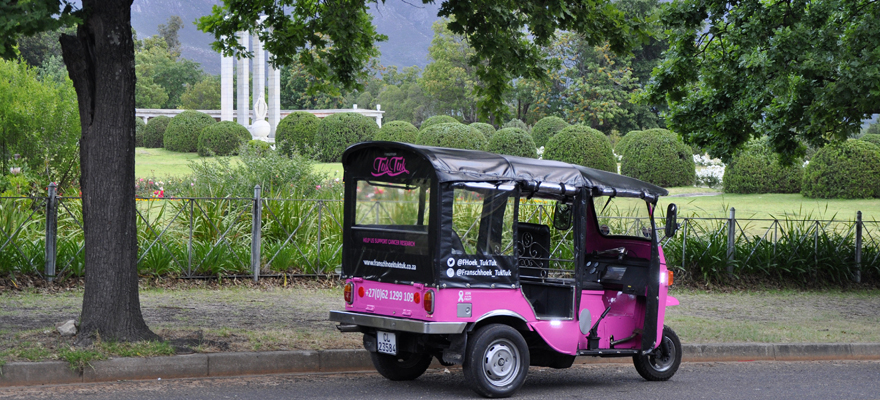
(684, 242)
(256, 231)
(320, 225)
(858, 274)
(51, 232)
(731, 241)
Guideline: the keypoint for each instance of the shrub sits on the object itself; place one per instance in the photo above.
(513, 141)
(139, 126)
(154, 132)
(222, 139)
(398, 131)
(581, 145)
(871, 138)
(453, 135)
(296, 133)
(545, 128)
(438, 119)
(486, 129)
(658, 156)
(620, 147)
(257, 148)
(338, 131)
(846, 170)
(182, 133)
(756, 169)
(517, 123)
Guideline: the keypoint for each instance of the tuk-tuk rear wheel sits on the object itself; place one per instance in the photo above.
(497, 361)
(402, 367)
(664, 361)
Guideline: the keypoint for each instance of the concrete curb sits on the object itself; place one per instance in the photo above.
(285, 362)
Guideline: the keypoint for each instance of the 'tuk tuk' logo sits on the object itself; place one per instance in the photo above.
(389, 166)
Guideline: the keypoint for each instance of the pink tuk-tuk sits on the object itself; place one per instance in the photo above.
(498, 262)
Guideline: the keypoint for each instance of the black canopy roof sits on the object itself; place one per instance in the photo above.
(458, 165)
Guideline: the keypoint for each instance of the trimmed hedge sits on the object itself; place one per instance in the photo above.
(438, 119)
(871, 138)
(756, 169)
(545, 128)
(658, 156)
(581, 145)
(222, 139)
(517, 123)
(453, 135)
(398, 131)
(514, 142)
(139, 126)
(296, 133)
(845, 170)
(620, 148)
(154, 132)
(338, 131)
(182, 133)
(487, 129)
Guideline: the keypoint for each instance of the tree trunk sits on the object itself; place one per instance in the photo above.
(100, 62)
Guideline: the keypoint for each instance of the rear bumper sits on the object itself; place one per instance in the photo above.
(397, 324)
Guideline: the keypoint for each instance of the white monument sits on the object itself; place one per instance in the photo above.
(261, 129)
(272, 107)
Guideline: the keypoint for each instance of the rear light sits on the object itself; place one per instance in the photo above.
(361, 291)
(669, 283)
(417, 297)
(429, 302)
(347, 293)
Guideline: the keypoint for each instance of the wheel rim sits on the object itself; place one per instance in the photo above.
(501, 362)
(663, 357)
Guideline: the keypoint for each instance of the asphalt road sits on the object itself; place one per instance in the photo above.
(743, 380)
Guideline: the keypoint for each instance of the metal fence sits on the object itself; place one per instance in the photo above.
(253, 237)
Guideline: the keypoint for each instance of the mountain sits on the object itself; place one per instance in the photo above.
(408, 27)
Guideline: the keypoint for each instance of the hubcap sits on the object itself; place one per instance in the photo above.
(501, 362)
(664, 356)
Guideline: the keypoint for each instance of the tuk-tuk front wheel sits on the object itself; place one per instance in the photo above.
(664, 361)
(401, 367)
(497, 361)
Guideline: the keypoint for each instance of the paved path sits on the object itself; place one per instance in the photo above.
(718, 380)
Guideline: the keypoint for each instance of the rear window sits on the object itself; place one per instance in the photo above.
(392, 204)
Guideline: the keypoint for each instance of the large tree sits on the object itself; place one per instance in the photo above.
(795, 71)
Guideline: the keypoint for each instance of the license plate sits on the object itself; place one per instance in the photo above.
(386, 342)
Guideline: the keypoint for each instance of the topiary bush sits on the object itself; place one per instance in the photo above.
(296, 133)
(581, 145)
(756, 169)
(453, 135)
(222, 139)
(844, 170)
(514, 142)
(398, 131)
(486, 129)
(658, 156)
(545, 128)
(182, 133)
(139, 126)
(871, 138)
(437, 119)
(338, 131)
(154, 132)
(517, 123)
(258, 148)
(620, 147)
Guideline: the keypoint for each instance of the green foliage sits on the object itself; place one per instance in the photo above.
(222, 139)
(487, 129)
(182, 132)
(581, 145)
(513, 141)
(871, 138)
(659, 157)
(437, 119)
(450, 79)
(398, 131)
(401, 96)
(162, 77)
(154, 132)
(204, 95)
(296, 133)
(545, 128)
(452, 135)
(139, 126)
(846, 170)
(338, 131)
(258, 147)
(756, 169)
(809, 72)
(516, 123)
(298, 90)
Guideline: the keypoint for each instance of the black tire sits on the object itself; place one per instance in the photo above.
(497, 361)
(402, 367)
(664, 361)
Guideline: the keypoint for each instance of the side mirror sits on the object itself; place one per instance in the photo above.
(562, 216)
(671, 220)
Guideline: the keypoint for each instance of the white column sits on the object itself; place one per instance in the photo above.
(226, 88)
(379, 117)
(243, 105)
(259, 70)
(274, 98)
